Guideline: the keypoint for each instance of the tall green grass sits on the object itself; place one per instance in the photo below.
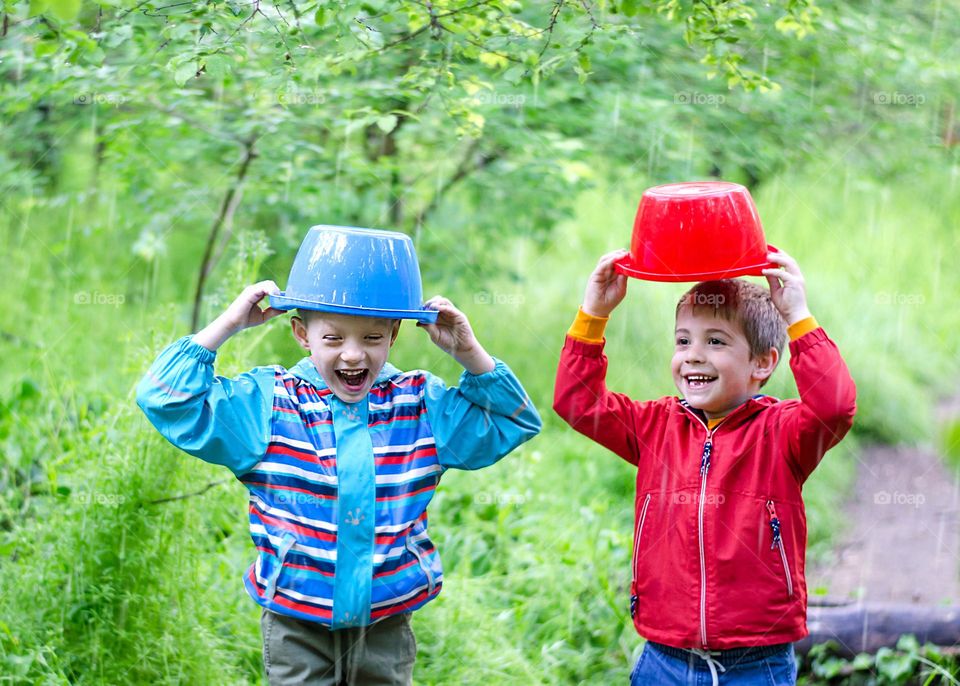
(102, 584)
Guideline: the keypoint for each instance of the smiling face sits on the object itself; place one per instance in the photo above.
(348, 351)
(712, 366)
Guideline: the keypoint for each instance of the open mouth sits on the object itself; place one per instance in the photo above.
(698, 381)
(352, 379)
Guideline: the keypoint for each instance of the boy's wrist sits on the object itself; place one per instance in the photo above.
(475, 360)
(594, 311)
(215, 333)
(797, 316)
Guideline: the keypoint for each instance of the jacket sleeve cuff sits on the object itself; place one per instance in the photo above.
(499, 372)
(587, 327)
(807, 341)
(801, 328)
(186, 346)
(583, 348)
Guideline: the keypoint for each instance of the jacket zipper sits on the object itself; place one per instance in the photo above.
(778, 543)
(636, 544)
(704, 468)
(415, 549)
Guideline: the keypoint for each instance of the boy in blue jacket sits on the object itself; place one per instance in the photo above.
(341, 455)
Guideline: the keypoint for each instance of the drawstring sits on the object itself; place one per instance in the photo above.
(711, 663)
(337, 668)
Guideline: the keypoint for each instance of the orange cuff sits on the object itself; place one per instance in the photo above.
(801, 328)
(588, 328)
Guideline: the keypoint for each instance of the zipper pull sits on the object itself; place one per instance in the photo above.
(774, 524)
(705, 457)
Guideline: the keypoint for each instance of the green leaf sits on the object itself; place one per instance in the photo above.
(387, 123)
(44, 48)
(65, 10)
(185, 72)
(513, 75)
(217, 66)
(38, 7)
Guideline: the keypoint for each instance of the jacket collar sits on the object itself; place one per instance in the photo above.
(306, 370)
(745, 410)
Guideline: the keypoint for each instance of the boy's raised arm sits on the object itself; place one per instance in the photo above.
(220, 420)
(581, 396)
(827, 391)
(489, 413)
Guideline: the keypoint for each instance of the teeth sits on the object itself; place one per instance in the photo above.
(352, 378)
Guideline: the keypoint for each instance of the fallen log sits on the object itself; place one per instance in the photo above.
(867, 627)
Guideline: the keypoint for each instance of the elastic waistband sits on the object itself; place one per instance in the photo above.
(732, 655)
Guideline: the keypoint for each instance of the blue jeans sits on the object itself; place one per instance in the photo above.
(657, 668)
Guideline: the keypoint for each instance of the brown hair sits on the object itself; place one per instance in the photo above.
(747, 305)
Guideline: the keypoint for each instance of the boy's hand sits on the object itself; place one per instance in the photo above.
(452, 334)
(243, 313)
(787, 289)
(606, 288)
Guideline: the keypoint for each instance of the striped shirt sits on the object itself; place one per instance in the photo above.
(338, 491)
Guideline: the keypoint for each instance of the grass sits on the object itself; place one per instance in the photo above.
(98, 584)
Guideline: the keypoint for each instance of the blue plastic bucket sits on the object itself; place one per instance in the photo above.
(365, 272)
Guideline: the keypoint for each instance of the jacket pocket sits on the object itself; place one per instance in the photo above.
(285, 544)
(777, 543)
(421, 556)
(639, 536)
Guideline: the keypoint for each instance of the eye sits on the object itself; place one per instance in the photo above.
(683, 340)
(375, 337)
(716, 341)
(331, 338)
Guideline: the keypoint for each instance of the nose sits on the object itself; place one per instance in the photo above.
(351, 354)
(694, 353)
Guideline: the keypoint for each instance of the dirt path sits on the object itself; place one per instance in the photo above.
(903, 540)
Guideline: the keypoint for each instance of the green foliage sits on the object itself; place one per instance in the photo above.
(908, 663)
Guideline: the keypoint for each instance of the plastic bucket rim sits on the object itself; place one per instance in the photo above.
(624, 266)
(281, 301)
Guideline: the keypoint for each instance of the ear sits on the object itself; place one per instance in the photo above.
(763, 365)
(300, 332)
(396, 331)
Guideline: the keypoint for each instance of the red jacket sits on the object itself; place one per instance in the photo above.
(720, 532)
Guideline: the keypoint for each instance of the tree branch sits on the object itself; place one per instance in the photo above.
(187, 495)
(468, 165)
(228, 206)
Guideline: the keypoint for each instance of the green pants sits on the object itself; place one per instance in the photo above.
(309, 654)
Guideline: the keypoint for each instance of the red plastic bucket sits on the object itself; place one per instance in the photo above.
(699, 231)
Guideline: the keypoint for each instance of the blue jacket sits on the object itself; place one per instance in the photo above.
(338, 492)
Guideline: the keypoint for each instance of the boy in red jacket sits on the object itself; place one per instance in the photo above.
(720, 535)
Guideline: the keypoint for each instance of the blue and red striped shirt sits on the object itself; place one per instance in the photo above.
(338, 491)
